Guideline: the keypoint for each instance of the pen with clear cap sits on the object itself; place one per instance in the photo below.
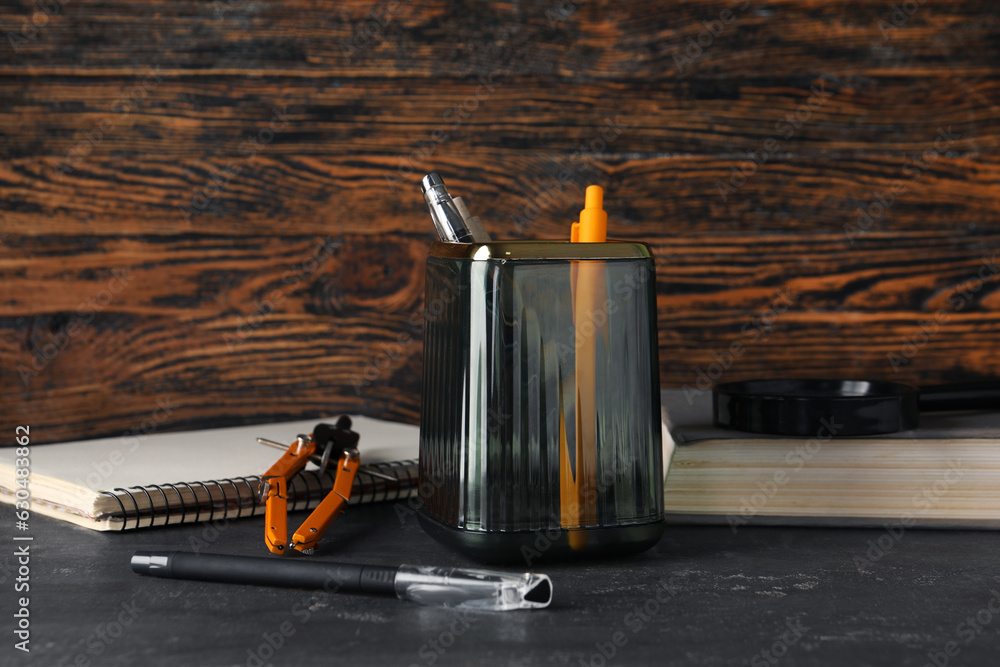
(441, 586)
(451, 218)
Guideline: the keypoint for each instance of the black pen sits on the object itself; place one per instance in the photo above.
(443, 586)
(451, 218)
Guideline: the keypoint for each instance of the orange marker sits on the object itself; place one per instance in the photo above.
(579, 491)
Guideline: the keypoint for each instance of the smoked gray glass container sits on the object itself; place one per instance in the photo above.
(540, 431)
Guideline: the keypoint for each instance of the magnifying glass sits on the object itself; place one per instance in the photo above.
(842, 407)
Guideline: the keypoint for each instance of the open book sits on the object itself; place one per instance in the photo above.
(170, 478)
(946, 474)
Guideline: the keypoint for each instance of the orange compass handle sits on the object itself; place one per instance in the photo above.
(319, 521)
(276, 505)
(276, 516)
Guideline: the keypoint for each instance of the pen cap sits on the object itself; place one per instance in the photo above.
(540, 409)
(593, 225)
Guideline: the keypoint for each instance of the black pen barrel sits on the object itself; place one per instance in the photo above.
(331, 577)
(455, 587)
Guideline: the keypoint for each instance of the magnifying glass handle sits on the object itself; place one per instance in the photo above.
(961, 396)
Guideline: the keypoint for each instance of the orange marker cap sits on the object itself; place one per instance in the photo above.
(593, 218)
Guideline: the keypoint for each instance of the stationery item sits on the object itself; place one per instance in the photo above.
(450, 215)
(441, 586)
(945, 474)
(593, 224)
(500, 428)
(589, 294)
(867, 407)
(472, 222)
(338, 441)
(121, 483)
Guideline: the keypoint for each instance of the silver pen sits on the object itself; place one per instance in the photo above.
(451, 218)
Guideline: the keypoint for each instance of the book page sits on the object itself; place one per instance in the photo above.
(193, 456)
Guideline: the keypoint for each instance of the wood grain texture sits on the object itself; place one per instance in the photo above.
(214, 206)
(518, 193)
(187, 115)
(583, 40)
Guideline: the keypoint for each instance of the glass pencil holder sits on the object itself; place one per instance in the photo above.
(540, 430)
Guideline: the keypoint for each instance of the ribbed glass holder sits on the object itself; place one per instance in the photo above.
(540, 429)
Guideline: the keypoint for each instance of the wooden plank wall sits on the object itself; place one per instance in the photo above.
(210, 210)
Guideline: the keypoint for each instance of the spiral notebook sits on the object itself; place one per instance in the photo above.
(132, 482)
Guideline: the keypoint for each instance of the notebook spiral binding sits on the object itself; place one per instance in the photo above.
(234, 498)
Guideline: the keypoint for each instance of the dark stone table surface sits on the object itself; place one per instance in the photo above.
(703, 595)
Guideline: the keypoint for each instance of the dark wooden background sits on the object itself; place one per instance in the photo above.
(283, 278)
